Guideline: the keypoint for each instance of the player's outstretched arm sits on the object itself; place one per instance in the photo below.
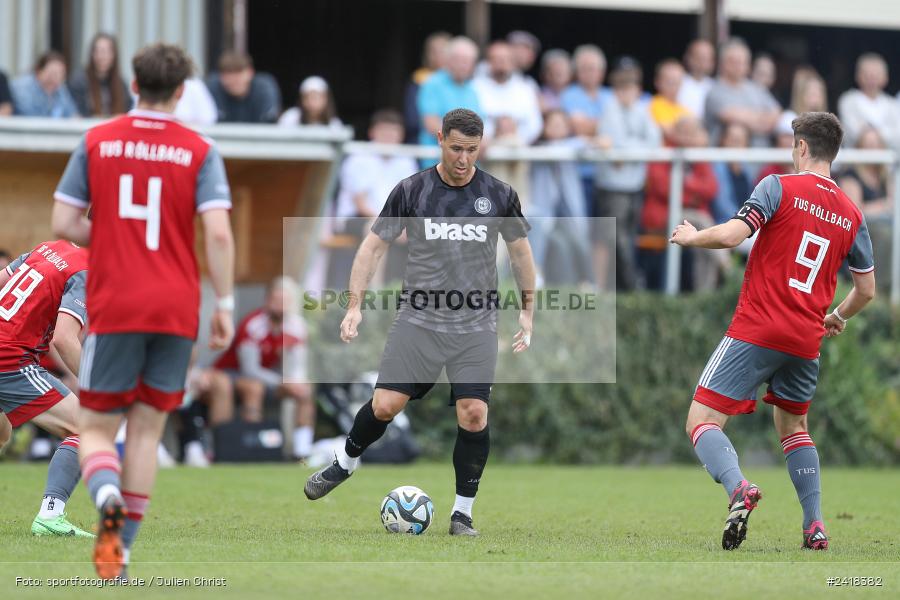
(68, 222)
(522, 261)
(66, 340)
(219, 243)
(364, 265)
(862, 293)
(726, 235)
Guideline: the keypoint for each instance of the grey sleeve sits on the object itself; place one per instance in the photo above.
(73, 187)
(861, 259)
(250, 361)
(767, 196)
(391, 222)
(15, 264)
(213, 190)
(74, 294)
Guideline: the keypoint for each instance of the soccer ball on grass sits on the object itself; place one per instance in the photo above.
(407, 509)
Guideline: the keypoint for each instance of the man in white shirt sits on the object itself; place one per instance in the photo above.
(869, 106)
(504, 93)
(699, 62)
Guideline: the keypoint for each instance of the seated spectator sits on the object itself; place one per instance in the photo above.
(525, 48)
(868, 185)
(434, 58)
(620, 186)
(699, 266)
(736, 99)
(44, 92)
(366, 181)
(585, 101)
(447, 89)
(268, 359)
(699, 62)
(763, 73)
(869, 106)
(556, 75)
(664, 106)
(99, 90)
(6, 100)
(196, 105)
(242, 95)
(556, 191)
(734, 179)
(315, 106)
(784, 138)
(504, 94)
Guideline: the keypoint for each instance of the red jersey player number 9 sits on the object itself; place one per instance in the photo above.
(21, 285)
(813, 264)
(150, 213)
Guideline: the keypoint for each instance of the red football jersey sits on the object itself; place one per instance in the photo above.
(145, 176)
(256, 329)
(48, 280)
(807, 228)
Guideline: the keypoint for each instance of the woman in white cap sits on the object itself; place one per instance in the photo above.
(315, 106)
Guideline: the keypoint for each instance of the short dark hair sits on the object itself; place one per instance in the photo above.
(159, 69)
(234, 62)
(463, 120)
(386, 115)
(821, 131)
(48, 57)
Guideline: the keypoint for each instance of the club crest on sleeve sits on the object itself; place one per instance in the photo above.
(482, 205)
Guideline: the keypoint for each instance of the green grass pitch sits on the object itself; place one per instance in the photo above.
(547, 532)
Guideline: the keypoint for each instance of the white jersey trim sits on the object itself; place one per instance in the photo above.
(73, 313)
(866, 270)
(213, 204)
(71, 200)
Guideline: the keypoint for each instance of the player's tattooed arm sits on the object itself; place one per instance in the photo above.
(727, 235)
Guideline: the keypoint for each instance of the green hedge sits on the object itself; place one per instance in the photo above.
(663, 344)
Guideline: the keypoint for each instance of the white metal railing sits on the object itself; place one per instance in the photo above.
(267, 142)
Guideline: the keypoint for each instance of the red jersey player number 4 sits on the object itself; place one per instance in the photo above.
(145, 177)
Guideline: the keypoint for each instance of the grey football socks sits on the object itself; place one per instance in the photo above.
(803, 466)
(715, 451)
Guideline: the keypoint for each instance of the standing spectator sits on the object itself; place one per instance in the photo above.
(735, 179)
(700, 266)
(736, 99)
(268, 359)
(434, 58)
(241, 94)
(869, 106)
(525, 48)
(628, 124)
(366, 180)
(6, 100)
(808, 92)
(99, 90)
(868, 185)
(556, 75)
(556, 191)
(44, 92)
(504, 94)
(664, 106)
(784, 138)
(315, 106)
(585, 102)
(763, 72)
(700, 62)
(196, 105)
(448, 88)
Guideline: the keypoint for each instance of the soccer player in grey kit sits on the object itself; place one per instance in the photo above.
(452, 214)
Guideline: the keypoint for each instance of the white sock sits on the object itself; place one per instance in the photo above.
(303, 441)
(51, 507)
(463, 505)
(105, 492)
(348, 463)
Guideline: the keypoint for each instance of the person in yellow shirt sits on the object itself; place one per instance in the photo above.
(664, 107)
